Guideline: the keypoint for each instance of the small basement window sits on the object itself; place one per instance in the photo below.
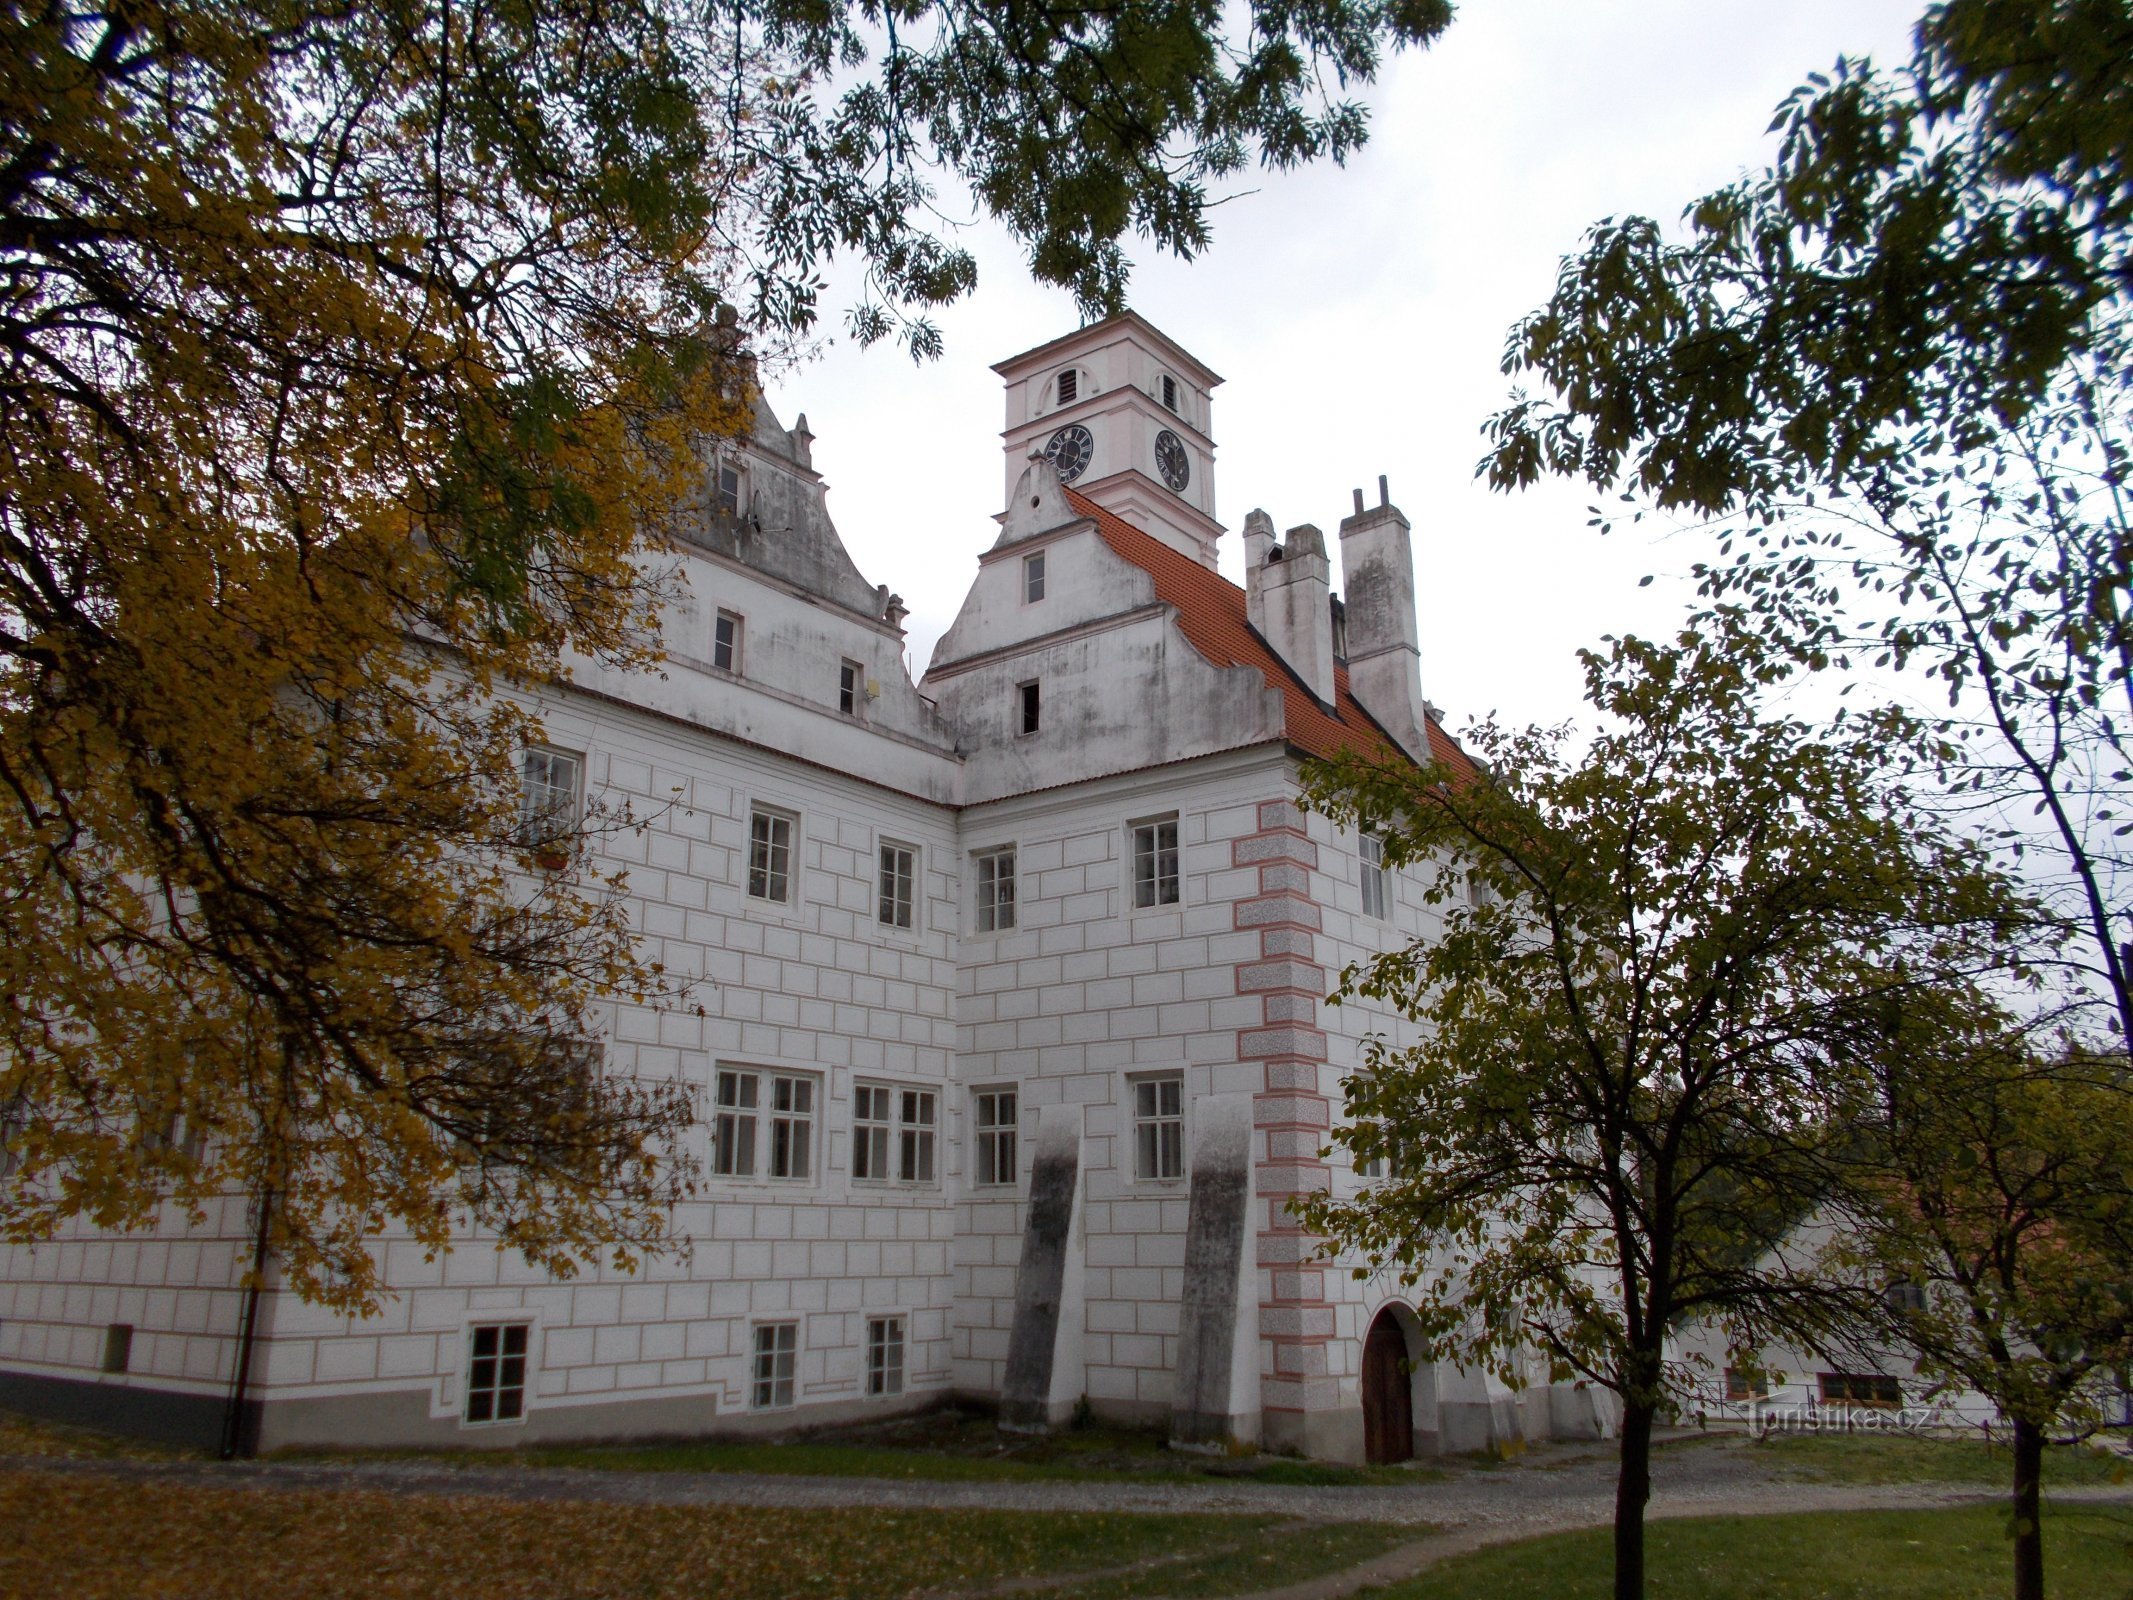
(1028, 695)
(118, 1347)
(496, 1372)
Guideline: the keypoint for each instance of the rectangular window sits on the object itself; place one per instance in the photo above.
(726, 642)
(899, 877)
(1155, 862)
(745, 1100)
(1069, 386)
(914, 1156)
(1746, 1386)
(770, 857)
(1170, 392)
(873, 1121)
(496, 1372)
(733, 1124)
(1028, 694)
(118, 1347)
(849, 684)
(996, 889)
(885, 1355)
(1370, 1167)
(777, 1353)
(1372, 850)
(1033, 577)
(1159, 1127)
(994, 1112)
(1860, 1389)
(726, 489)
(1904, 1297)
(893, 1134)
(548, 795)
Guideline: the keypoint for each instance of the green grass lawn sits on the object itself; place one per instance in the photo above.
(222, 1543)
(1914, 1458)
(1867, 1555)
(951, 1446)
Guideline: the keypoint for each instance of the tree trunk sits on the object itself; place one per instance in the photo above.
(1633, 1487)
(2028, 1511)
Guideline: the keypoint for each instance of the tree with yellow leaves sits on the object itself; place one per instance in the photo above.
(352, 358)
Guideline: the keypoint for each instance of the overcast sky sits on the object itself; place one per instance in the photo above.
(1358, 316)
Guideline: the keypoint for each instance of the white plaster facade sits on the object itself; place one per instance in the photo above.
(1104, 705)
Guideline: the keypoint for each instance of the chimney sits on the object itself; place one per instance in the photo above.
(1258, 540)
(1384, 652)
(1295, 591)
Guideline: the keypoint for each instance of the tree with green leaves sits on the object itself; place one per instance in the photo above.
(354, 361)
(1993, 1179)
(1894, 369)
(1640, 1020)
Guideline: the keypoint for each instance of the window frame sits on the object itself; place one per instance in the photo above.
(886, 1346)
(1033, 577)
(996, 1139)
(1153, 826)
(736, 627)
(751, 1123)
(721, 504)
(1029, 708)
(554, 822)
(1372, 879)
(885, 1126)
(774, 815)
(1066, 387)
(1884, 1392)
(993, 911)
(885, 898)
(851, 687)
(1148, 1129)
(1167, 392)
(760, 1381)
(504, 1328)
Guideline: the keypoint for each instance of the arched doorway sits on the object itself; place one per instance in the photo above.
(1388, 1394)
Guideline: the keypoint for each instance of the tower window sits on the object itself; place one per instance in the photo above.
(726, 642)
(726, 490)
(1033, 576)
(1170, 391)
(1069, 386)
(1028, 694)
(848, 687)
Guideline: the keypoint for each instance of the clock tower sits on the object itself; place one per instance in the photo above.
(1123, 413)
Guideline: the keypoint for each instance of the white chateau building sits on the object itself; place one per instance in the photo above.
(1015, 1043)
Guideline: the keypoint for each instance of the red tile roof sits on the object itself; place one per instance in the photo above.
(1211, 613)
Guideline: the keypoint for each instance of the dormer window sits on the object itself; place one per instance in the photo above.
(1170, 392)
(1069, 387)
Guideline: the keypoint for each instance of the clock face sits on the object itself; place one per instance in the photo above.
(1172, 460)
(1069, 451)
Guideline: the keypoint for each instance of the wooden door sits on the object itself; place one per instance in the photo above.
(1388, 1395)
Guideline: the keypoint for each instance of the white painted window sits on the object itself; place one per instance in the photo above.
(496, 1372)
(1159, 1127)
(777, 1355)
(726, 641)
(1033, 577)
(894, 1131)
(851, 684)
(1031, 708)
(548, 794)
(770, 856)
(996, 1119)
(899, 883)
(763, 1124)
(885, 1355)
(1371, 852)
(729, 484)
(1155, 862)
(995, 876)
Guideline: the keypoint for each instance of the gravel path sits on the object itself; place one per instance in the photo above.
(1556, 1488)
